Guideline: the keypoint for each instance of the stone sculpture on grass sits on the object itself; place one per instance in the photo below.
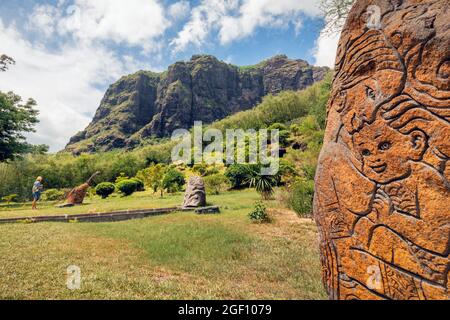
(195, 196)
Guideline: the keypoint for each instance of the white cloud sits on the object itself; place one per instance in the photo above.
(237, 19)
(139, 23)
(42, 19)
(204, 18)
(255, 14)
(64, 83)
(67, 77)
(327, 44)
(179, 10)
(326, 47)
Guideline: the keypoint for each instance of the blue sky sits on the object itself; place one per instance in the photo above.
(69, 51)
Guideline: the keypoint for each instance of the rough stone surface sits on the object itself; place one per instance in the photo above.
(382, 187)
(76, 196)
(146, 104)
(195, 193)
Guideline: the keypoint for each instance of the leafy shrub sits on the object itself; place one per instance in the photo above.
(238, 176)
(157, 156)
(309, 171)
(284, 137)
(127, 187)
(259, 213)
(10, 198)
(54, 195)
(140, 184)
(216, 183)
(105, 189)
(301, 200)
(204, 170)
(173, 180)
(278, 126)
(91, 193)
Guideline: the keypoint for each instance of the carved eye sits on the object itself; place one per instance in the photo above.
(366, 152)
(385, 146)
(370, 93)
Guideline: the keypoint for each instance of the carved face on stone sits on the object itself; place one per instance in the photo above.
(386, 153)
(382, 179)
(360, 103)
(195, 193)
(370, 74)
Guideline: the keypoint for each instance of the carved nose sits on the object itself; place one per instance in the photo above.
(356, 122)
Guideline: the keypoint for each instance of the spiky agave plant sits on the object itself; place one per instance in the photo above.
(264, 184)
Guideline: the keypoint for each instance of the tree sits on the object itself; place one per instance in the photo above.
(15, 119)
(5, 61)
(335, 13)
(173, 180)
(153, 177)
(39, 149)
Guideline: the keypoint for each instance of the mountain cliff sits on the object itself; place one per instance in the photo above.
(148, 105)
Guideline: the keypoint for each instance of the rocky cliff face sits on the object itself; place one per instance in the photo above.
(147, 105)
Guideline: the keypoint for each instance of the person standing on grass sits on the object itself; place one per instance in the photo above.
(37, 190)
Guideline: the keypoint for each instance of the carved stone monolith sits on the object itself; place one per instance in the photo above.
(195, 193)
(382, 185)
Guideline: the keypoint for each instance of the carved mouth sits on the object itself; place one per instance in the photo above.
(379, 169)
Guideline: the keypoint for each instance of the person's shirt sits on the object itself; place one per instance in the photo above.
(37, 187)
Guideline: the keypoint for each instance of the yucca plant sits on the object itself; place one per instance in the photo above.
(264, 184)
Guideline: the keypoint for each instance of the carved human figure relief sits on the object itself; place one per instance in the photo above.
(195, 195)
(382, 186)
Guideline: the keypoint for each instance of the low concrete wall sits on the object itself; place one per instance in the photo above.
(93, 217)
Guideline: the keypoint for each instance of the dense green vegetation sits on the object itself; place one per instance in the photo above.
(178, 256)
(300, 117)
(287, 107)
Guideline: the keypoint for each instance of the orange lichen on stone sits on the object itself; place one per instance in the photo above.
(383, 184)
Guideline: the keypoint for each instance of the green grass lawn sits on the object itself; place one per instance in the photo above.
(176, 256)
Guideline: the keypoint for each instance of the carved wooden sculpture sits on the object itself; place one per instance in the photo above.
(382, 200)
(76, 196)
